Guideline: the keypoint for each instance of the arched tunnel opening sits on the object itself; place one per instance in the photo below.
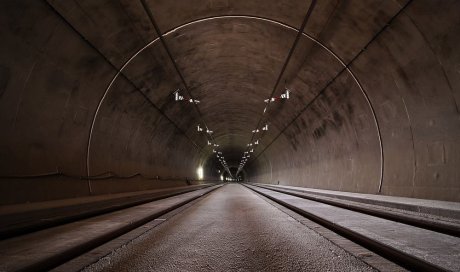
(109, 97)
(341, 99)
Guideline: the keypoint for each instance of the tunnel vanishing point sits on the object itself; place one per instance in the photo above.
(88, 89)
(100, 98)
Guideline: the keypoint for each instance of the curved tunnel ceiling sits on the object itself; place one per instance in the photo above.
(230, 64)
(373, 104)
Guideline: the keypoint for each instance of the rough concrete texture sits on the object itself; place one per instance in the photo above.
(439, 249)
(232, 229)
(86, 87)
(26, 217)
(442, 209)
(45, 249)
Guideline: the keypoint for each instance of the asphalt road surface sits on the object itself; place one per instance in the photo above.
(231, 229)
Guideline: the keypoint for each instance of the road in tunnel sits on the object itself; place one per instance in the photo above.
(102, 97)
(127, 117)
(232, 229)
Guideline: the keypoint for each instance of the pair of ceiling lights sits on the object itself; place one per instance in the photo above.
(178, 97)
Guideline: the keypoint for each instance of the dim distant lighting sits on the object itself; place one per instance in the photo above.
(199, 172)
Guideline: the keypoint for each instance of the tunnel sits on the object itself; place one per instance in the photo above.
(102, 98)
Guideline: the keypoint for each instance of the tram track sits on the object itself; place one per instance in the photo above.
(405, 251)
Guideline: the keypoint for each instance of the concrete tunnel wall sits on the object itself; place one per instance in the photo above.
(86, 89)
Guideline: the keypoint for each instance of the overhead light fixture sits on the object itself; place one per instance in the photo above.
(177, 96)
(285, 95)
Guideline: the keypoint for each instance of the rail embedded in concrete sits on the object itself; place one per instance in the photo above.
(379, 209)
(431, 207)
(25, 218)
(45, 249)
(414, 248)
